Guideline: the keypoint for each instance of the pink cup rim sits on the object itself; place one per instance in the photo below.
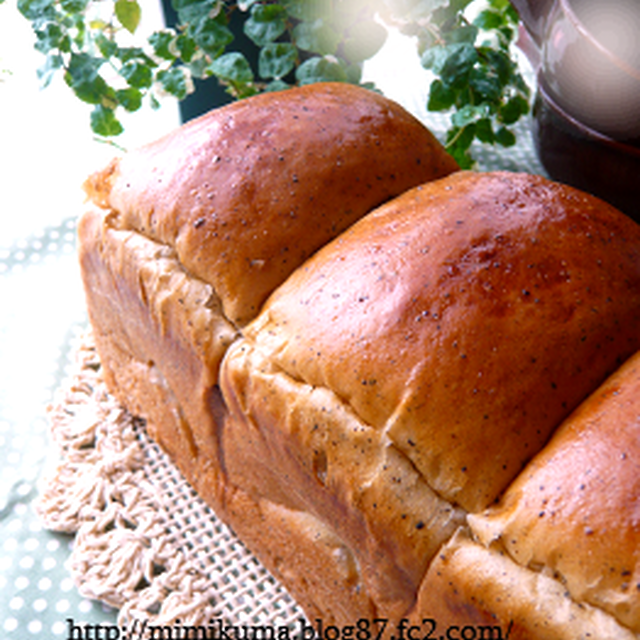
(582, 29)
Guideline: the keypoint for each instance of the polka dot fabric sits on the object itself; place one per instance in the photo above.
(42, 311)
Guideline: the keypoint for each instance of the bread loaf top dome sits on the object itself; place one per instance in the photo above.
(247, 192)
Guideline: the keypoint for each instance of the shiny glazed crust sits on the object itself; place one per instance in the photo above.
(353, 370)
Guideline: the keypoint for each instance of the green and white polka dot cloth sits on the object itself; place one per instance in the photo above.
(42, 309)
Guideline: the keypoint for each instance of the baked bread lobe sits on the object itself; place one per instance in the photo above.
(559, 556)
(574, 512)
(405, 374)
(465, 319)
(247, 192)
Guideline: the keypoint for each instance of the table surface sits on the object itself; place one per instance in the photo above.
(42, 312)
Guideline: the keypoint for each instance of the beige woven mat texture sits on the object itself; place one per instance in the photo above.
(145, 543)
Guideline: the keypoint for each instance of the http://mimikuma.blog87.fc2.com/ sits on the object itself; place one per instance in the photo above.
(220, 629)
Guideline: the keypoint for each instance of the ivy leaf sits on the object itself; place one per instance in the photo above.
(457, 65)
(51, 36)
(74, 6)
(484, 131)
(126, 54)
(104, 122)
(186, 47)
(441, 97)
(513, 109)
(161, 42)
(130, 99)
(467, 33)
(499, 5)
(499, 62)
(364, 40)
(137, 74)
(307, 11)
(453, 63)
(37, 10)
(458, 143)
(82, 76)
(106, 46)
(277, 59)
(266, 23)
(195, 11)
(488, 20)
(353, 73)
(277, 85)
(321, 69)
(211, 36)
(485, 85)
(232, 67)
(505, 138)
(316, 37)
(468, 114)
(128, 13)
(173, 81)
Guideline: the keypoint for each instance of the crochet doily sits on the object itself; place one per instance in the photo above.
(145, 542)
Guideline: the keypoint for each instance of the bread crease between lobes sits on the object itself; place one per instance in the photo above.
(350, 348)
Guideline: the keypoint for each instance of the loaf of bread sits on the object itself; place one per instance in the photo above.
(412, 391)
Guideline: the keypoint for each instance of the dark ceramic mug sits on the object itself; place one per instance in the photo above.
(590, 61)
(586, 124)
(574, 154)
(588, 52)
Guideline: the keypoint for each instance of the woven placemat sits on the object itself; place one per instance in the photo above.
(145, 542)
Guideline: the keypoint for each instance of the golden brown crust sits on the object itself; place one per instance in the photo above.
(245, 193)
(575, 510)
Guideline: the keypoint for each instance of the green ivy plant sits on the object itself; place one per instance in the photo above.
(296, 42)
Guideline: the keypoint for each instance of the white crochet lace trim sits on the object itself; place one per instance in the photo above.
(145, 543)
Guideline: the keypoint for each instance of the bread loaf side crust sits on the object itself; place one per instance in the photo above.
(299, 446)
(575, 510)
